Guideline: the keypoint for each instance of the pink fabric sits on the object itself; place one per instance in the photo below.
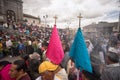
(4, 73)
(55, 51)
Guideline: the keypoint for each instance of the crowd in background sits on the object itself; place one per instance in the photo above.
(30, 43)
(25, 38)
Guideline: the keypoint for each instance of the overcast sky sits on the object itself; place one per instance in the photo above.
(68, 10)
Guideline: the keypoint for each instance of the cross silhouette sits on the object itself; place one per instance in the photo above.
(55, 17)
(79, 17)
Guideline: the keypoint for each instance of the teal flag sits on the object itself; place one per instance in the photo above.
(79, 53)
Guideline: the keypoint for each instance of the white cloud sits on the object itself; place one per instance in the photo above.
(68, 10)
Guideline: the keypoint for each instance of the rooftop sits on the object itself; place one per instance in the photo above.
(30, 16)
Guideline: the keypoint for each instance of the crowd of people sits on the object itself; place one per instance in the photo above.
(31, 42)
(25, 38)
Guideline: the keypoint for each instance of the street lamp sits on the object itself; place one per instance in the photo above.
(68, 30)
(45, 17)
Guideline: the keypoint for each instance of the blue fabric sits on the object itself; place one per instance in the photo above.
(21, 47)
(79, 53)
(27, 32)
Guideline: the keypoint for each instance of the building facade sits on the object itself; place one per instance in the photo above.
(31, 19)
(100, 28)
(11, 11)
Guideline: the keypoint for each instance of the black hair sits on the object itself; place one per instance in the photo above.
(4, 63)
(33, 68)
(67, 48)
(113, 57)
(118, 36)
(90, 76)
(34, 64)
(25, 56)
(21, 65)
(45, 43)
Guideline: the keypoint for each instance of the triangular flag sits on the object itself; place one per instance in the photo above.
(79, 53)
(55, 51)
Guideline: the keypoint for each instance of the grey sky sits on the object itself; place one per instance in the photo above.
(68, 10)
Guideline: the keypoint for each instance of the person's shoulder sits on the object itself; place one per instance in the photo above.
(25, 77)
(57, 78)
(111, 68)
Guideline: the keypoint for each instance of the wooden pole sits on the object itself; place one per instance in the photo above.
(79, 17)
(55, 17)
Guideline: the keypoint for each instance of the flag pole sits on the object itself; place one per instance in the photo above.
(78, 73)
(79, 17)
(55, 17)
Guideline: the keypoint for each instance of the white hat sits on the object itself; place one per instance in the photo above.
(112, 49)
(35, 55)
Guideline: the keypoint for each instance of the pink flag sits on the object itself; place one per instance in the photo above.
(55, 51)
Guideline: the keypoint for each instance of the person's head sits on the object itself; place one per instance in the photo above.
(35, 55)
(115, 33)
(63, 45)
(45, 45)
(18, 68)
(118, 44)
(24, 57)
(87, 44)
(7, 39)
(3, 64)
(34, 64)
(112, 58)
(88, 76)
(46, 70)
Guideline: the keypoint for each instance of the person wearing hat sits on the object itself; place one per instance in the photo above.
(35, 55)
(112, 70)
(50, 71)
